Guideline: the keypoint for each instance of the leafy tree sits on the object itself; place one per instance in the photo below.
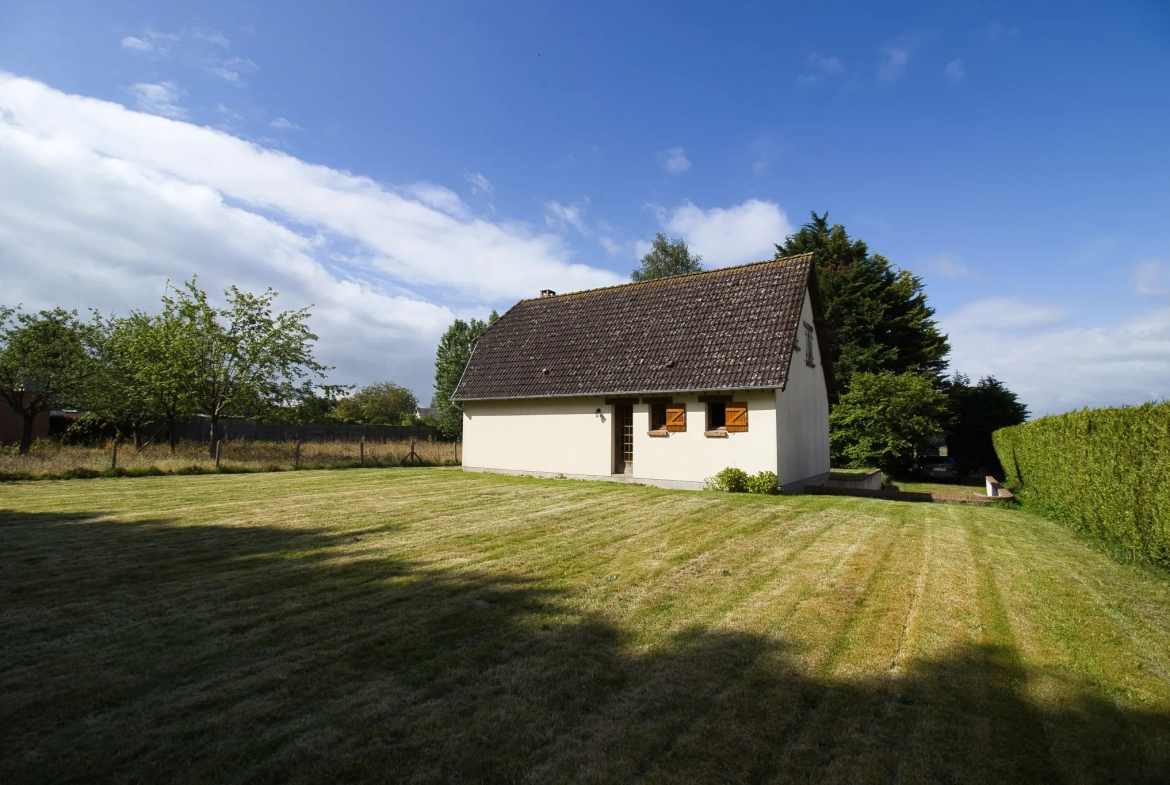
(170, 359)
(245, 359)
(318, 405)
(883, 418)
(977, 411)
(450, 361)
(117, 393)
(878, 318)
(45, 360)
(385, 403)
(667, 258)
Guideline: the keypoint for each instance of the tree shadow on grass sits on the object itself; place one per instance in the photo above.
(153, 651)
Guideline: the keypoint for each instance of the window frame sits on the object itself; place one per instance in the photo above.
(658, 419)
(712, 406)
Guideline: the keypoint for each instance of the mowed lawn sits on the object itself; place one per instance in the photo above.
(434, 626)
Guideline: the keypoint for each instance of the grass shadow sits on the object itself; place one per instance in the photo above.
(156, 651)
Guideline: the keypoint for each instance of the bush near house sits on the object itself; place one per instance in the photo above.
(733, 480)
(1103, 471)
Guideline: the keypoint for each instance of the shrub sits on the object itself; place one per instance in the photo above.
(883, 418)
(731, 480)
(1102, 471)
(764, 482)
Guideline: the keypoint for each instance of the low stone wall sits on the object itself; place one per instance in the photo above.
(871, 481)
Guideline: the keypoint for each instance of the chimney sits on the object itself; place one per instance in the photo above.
(547, 293)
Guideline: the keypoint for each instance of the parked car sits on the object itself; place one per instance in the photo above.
(937, 467)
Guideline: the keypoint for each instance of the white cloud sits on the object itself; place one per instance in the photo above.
(102, 204)
(232, 70)
(479, 182)
(130, 42)
(747, 232)
(1151, 278)
(893, 64)
(212, 37)
(674, 160)
(949, 266)
(1054, 366)
(152, 41)
(161, 99)
(559, 216)
(284, 124)
(955, 71)
(829, 64)
(611, 247)
(761, 153)
(998, 32)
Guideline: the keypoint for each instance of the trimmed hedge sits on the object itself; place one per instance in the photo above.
(1103, 471)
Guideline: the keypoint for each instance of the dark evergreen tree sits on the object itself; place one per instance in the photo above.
(977, 411)
(878, 317)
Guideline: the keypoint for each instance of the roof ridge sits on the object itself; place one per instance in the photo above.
(786, 260)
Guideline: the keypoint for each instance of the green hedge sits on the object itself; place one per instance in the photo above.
(1104, 471)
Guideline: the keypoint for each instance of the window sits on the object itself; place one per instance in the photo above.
(658, 417)
(716, 416)
(808, 350)
(726, 417)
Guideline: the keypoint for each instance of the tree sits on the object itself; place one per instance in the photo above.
(319, 405)
(667, 258)
(246, 360)
(883, 418)
(451, 358)
(117, 393)
(45, 360)
(878, 318)
(170, 359)
(385, 403)
(977, 411)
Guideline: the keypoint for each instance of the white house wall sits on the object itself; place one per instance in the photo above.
(549, 437)
(539, 436)
(802, 417)
(686, 459)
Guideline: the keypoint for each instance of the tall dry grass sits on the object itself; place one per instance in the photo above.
(51, 460)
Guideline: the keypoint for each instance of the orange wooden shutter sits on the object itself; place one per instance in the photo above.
(676, 417)
(736, 417)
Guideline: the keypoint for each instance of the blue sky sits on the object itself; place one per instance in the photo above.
(403, 165)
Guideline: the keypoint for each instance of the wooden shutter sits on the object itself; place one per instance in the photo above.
(736, 417)
(676, 417)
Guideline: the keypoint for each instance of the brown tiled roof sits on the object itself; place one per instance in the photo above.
(727, 329)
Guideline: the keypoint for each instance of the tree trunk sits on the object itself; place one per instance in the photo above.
(171, 429)
(137, 438)
(26, 431)
(214, 436)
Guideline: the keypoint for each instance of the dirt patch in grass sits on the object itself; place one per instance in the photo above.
(436, 626)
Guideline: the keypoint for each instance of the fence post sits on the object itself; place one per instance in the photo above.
(218, 445)
(362, 451)
(114, 459)
(297, 460)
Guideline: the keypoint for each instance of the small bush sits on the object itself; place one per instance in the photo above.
(729, 480)
(764, 482)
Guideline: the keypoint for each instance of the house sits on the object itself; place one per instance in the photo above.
(663, 382)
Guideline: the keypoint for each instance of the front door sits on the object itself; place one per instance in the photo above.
(623, 438)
